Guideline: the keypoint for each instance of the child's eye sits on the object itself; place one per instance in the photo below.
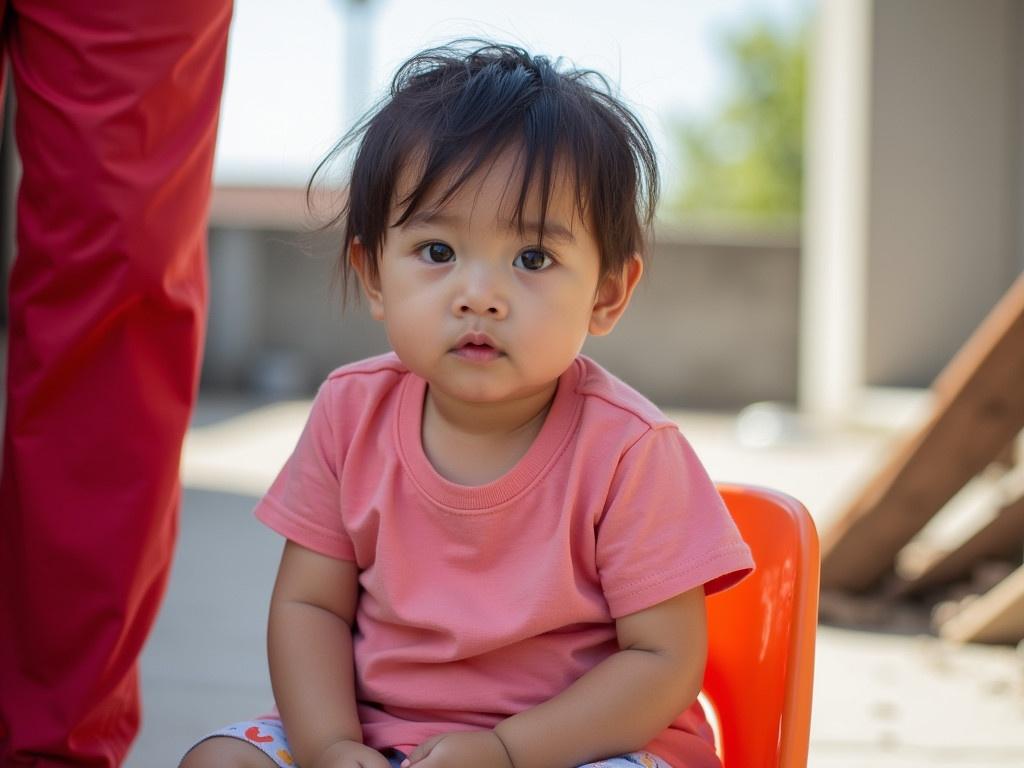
(437, 253)
(533, 260)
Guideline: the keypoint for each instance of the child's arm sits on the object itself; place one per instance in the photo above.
(309, 643)
(615, 708)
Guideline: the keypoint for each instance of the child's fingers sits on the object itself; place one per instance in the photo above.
(376, 760)
(422, 750)
(350, 754)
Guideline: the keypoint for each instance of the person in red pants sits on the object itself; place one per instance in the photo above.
(117, 106)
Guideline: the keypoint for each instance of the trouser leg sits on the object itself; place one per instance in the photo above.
(116, 122)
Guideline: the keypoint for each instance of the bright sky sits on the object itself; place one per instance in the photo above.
(285, 102)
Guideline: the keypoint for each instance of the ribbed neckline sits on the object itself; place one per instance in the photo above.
(550, 441)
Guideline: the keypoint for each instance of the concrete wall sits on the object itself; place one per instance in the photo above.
(713, 324)
(944, 192)
(914, 191)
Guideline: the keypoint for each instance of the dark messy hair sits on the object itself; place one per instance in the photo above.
(452, 109)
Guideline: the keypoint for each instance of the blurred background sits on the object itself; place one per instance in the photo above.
(843, 187)
(720, 86)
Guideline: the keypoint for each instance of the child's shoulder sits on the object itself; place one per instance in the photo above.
(383, 366)
(608, 394)
(369, 378)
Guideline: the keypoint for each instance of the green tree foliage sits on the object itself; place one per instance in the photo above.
(745, 163)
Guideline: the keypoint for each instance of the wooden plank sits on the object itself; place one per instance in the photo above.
(979, 409)
(995, 617)
(1001, 538)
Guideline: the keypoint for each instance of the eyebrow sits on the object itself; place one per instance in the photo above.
(552, 229)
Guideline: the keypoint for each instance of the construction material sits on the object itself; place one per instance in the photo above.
(1002, 538)
(978, 410)
(994, 617)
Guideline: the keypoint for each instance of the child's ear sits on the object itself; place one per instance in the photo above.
(369, 277)
(613, 296)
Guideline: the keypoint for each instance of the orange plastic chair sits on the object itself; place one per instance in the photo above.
(761, 635)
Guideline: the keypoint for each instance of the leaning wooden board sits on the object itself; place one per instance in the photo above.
(978, 410)
(1002, 537)
(994, 617)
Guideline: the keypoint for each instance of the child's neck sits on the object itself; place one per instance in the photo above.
(476, 443)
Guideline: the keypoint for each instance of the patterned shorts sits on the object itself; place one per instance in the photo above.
(268, 736)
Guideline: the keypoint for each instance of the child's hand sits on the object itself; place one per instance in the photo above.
(464, 749)
(350, 754)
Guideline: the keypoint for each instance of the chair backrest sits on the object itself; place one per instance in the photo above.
(761, 635)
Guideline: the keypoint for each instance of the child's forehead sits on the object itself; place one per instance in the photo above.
(497, 184)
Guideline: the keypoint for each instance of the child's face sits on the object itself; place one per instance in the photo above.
(478, 309)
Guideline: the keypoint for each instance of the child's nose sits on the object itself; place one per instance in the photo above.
(481, 294)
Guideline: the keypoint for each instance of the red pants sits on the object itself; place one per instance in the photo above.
(117, 104)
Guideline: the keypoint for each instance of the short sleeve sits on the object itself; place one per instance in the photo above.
(303, 501)
(665, 530)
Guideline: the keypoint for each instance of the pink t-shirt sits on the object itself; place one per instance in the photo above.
(479, 602)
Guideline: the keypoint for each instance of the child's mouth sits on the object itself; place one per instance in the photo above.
(477, 353)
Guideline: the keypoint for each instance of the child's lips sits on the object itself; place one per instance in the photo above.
(477, 353)
(476, 347)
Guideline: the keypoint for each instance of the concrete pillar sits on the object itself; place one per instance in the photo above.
(835, 212)
(913, 202)
(943, 184)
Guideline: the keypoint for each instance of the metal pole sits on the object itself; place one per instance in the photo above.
(358, 58)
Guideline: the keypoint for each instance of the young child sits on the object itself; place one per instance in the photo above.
(497, 553)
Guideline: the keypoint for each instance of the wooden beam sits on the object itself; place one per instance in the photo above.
(995, 617)
(978, 410)
(1001, 538)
